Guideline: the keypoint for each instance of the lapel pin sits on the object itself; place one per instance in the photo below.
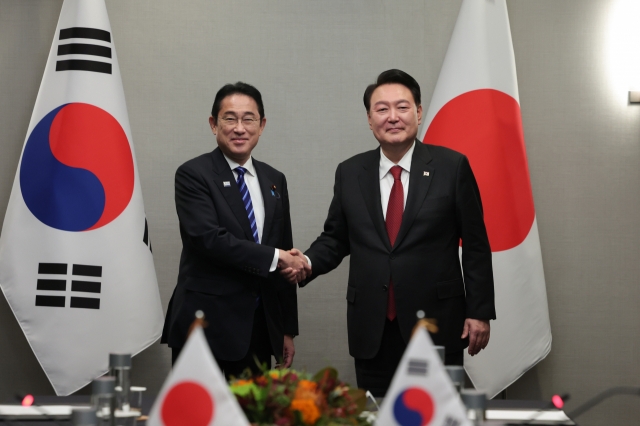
(274, 193)
(226, 183)
(426, 174)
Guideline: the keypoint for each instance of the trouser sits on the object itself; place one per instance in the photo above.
(259, 347)
(375, 374)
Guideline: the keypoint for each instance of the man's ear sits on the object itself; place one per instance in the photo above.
(212, 124)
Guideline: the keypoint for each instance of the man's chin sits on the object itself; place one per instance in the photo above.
(399, 142)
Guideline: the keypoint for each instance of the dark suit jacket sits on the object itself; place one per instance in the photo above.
(222, 270)
(441, 209)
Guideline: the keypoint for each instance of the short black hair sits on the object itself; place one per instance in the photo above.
(391, 77)
(232, 89)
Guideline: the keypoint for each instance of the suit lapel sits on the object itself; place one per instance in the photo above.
(369, 181)
(419, 182)
(269, 199)
(226, 182)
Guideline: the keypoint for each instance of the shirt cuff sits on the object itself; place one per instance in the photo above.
(308, 261)
(274, 262)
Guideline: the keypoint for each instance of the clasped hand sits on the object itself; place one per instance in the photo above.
(293, 266)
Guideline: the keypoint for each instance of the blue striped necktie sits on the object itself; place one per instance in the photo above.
(246, 199)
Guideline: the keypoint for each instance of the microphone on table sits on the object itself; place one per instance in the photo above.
(557, 401)
(596, 400)
(28, 400)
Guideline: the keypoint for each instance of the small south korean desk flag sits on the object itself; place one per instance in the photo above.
(421, 392)
(75, 256)
(196, 393)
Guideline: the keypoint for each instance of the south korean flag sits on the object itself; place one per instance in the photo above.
(75, 256)
(421, 392)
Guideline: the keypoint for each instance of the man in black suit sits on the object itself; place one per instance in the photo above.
(400, 211)
(235, 228)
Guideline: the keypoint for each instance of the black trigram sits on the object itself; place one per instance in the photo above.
(59, 281)
(450, 421)
(90, 49)
(145, 237)
(417, 367)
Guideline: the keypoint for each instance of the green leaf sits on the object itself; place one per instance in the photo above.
(332, 374)
(359, 397)
(243, 390)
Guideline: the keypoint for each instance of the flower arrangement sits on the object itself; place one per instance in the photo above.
(293, 398)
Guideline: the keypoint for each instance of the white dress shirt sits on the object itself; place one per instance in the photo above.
(253, 185)
(386, 178)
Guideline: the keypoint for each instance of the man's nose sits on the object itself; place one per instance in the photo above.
(393, 115)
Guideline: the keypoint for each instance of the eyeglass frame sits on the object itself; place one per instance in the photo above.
(232, 121)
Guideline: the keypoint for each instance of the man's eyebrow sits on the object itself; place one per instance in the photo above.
(239, 114)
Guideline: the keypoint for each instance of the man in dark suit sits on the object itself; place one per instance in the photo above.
(400, 211)
(235, 227)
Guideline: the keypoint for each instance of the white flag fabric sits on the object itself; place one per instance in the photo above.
(75, 258)
(421, 392)
(475, 110)
(196, 393)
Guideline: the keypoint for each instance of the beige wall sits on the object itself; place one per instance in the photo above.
(312, 61)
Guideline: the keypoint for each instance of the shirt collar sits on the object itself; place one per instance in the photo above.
(405, 162)
(248, 165)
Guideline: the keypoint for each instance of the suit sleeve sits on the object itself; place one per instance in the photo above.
(201, 231)
(476, 251)
(287, 292)
(328, 250)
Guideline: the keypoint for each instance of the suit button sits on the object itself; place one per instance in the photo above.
(385, 287)
(391, 257)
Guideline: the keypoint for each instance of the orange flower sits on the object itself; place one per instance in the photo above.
(241, 382)
(307, 390)
(307, 408)
(308, 385)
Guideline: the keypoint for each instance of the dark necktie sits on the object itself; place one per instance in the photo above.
(246, 199)
(395, 208)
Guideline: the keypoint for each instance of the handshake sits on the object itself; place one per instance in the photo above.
(293, 266)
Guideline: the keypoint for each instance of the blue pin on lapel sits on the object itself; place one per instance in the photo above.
(274, 193)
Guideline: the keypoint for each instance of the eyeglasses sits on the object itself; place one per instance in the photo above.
(247, 122)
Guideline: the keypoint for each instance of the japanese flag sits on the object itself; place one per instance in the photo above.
(475, 110)
(196, 393)
(421, 392)
(75, 257)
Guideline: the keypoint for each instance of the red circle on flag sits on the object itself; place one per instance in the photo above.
(187, 403)
(485, 125)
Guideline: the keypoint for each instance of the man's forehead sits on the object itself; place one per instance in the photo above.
(238, 103)
(391, 92)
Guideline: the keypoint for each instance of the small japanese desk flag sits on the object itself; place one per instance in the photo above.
(196, 393)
